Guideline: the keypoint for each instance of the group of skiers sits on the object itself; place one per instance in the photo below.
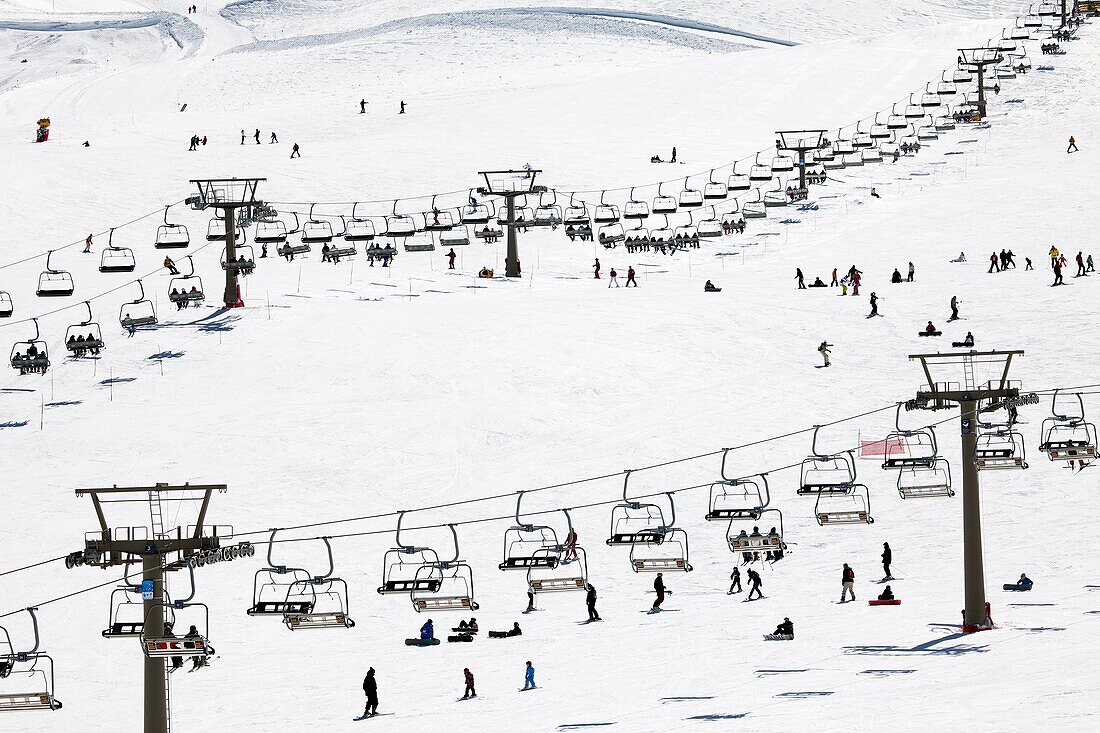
(852, 279)
(256, 136)
(614, 275)
(370, 687)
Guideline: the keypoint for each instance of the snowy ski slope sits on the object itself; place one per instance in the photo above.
(343, 391)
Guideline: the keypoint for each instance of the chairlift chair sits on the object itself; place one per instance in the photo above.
(576, 215)
(945, 88)
(927, 133)
(871, 155)
(738, 181)
(663, 204)
(775, 197)
(825, 473)
(669, 554)
(31, 356)
(488, 232)
(760, 172)
(637, 235)
(571, 572)
(164, 643)
(402, 564)
(930, 100)
(1001, 447)
(842, 146)
(327, 606)
(635, 522)
(316, 231)
(89, 333)
(944, 124)
(880, 131)
(853, 507)
(272, 588)
(734, 218)
(215, 229)
(454, 589)
(114, 258)
(1005, 72)
(270, 232)
(399, 225)
(436, 220)
(741, 540)
(635, 209)
(605, 213)
(127, 613)
(139, 312)
(1032, 21)
(548, 215)
(782, 164)
(245, 262)
(358, 229)
(54, 283)
(862, 138)
(914, 110)
(611, 234)
(737, 498)
(30, 672)
(458, 236)
(1068, 437)
(714, 190)
(920, 445)
(711, 227)
(961, 76)
(690, 198)
(6, 306)
(475, 214)
(894, 121)
(528, 545)
(662, 234)
(755, 209)
(927, 481)
(171, 236)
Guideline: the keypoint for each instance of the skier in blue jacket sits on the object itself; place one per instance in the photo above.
(427, 631)
(529, 677)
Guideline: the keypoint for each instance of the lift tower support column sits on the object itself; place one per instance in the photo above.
(228, 195)
(802, 142)
(969, 397)
(510, 185)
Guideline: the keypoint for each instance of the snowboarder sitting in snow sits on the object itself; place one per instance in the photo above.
(930, 330)
(655, 159)
(470, 627)
(960, 258)
(818, 283)
(966, 343)
(886, 595)
(710, 288)
(427, 631)
(786, 628)
(896, 277)
(514, 631)
(1024, 583)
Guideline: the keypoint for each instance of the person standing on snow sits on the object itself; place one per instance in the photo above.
(370, 689)
(1072, 145)
(735, 580)
(754, 579)
(1058, 264)
(257, 136)
(469, 678)
(362, 106)
(994, 265)
(294, 152)
(1088, 264)
(402, 107)
(954, 308)
(590, 600)
(630, 277)
(659, 589)
(529, 677)
(673, 158)
(1080, 265)
(597, 268)
(451, 259)
(88, 245)
(800, 278)
(834, 282)
(824, 351)
(242, 137)
(847, 583)
(530, 597)
(614, 278)
(887, 557)
(912, 272)
(274, 138)
(1027, 264)
(874, 305)
(1053, 253)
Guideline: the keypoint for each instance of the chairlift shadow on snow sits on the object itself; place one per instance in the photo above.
(685, 698)
(884, 673)
(117, 380)
(14, 424)
(579, 726)
(166, 355)
(773, 672)
(801, 695)
(927, 647)
(16, 390)
(66, 403)
(718, 716)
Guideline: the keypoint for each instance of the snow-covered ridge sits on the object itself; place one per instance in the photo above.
(180, 29)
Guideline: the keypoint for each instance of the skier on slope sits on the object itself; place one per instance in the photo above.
(469, 679)
(847, 583)
(735, 580)
(451, 259)
(954, 308)
(257, 136)
(755, 580)
(590, 600)
(824, 351)
(874, 305)
(530, 596)
(994, 263)
(1080, 265)
(659, 588)
(370, 689)
(170, 266)
(630, 277)
(88, 244)
(800, 278)
(597, 268)
(912, 273)
(887, 557)
(529, 677)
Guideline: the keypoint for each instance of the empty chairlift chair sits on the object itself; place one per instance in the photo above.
(576, 215)
(760, 172)
(1068, 437)
(171, 236)
(455, 584)
(54, 283)
(116, 259)
(690, 198)
(663, 204)
(459, 236)
(327, 600)
(925, 481)
(402, 568)
(825, 473)
(85, 337)
(316, 231)
(26, 677)
(775, 197)
(529, 545)
(634, 522)
(714, 190)
(605, 213)
(711, 227)
(127, 613)
(270, 232)
(359, 229)
(276, 590)
(668, 554)
(853, 507)
(634, 209)
(919, 446)
(31, 356)
(737, 498)
(738, 181)
(6, 306)
(1000, 447)
(755, 209)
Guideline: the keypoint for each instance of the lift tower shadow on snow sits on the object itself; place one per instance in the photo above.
(969, 396)
(511, 184)
(802, 142)
(111, 547)
(228, 195)
(977, 59)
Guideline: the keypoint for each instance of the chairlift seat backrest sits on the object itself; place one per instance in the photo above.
(163, 647)
(280, 608)
(548, 585)
(172, 236)
(444, 603)
(316, 232)
(124, 629)
(333, 620)
(57, 284)
(28, 701)
(408, 585)
(859, 516)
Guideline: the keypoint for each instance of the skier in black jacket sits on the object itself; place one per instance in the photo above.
(590, 599)
(887, 556)
(370, 687)
(659, 587)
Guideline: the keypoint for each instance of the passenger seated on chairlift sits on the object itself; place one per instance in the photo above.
(197, 662)
(886, 595)
(785, 629)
